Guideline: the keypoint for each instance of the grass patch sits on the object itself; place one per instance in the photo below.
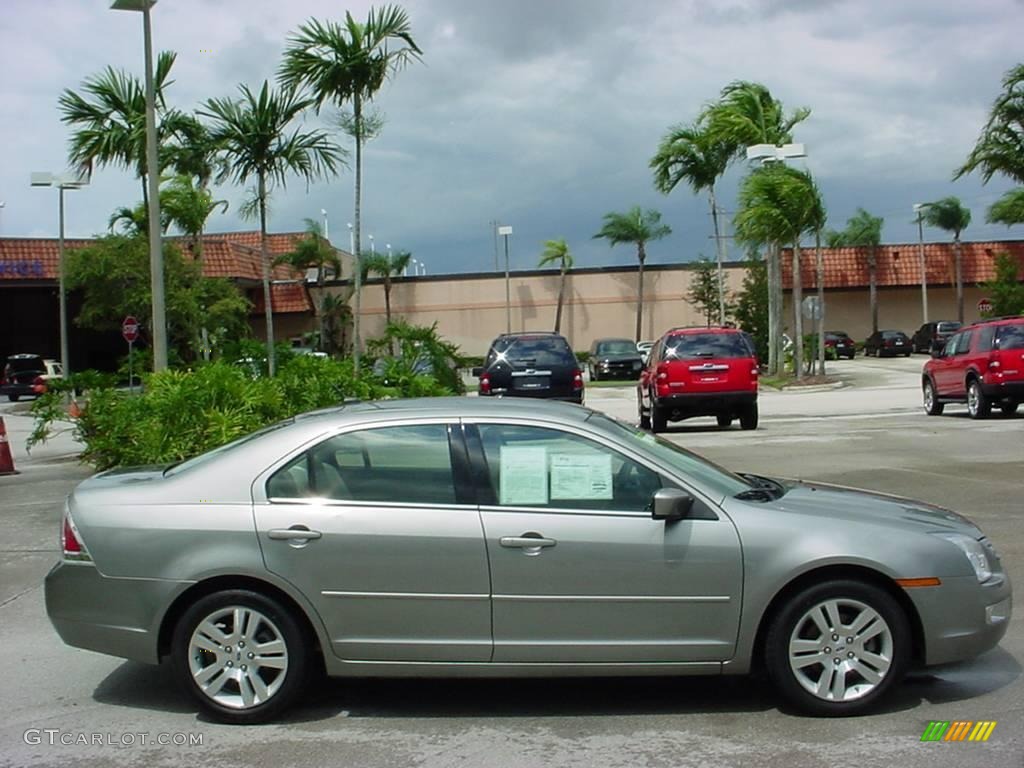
(612, 384)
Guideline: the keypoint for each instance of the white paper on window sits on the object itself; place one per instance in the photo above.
(524, 475)
(581, 476)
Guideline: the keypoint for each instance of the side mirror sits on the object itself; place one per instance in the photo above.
(478, 372)
(671, 504)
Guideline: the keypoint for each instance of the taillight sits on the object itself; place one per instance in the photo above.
(70, 542)
(577, 379)
(888, 342)
(755, 372)
(485, 384)
(662, 372)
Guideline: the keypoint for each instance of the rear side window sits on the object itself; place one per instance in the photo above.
(532, 350)
(1010, 337)
(690, 346)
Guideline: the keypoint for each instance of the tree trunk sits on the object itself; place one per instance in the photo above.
(798, 316)
(357, 116)
(720, 250)
(323, 317)
(774, 310)
(873, 287)
(265, 263)
(641, 256)
(959, 276)
(561, 296)
(387, 298)
(820, 276)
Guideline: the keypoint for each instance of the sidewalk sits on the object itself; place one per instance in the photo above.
(60, 447)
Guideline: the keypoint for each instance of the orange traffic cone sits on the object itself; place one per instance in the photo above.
(6, 460)
(73, 410)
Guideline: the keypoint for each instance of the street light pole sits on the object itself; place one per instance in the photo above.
(919, 210)
(156, 257)
(506, 232)
(327, 233)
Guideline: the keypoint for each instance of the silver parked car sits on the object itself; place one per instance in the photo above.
(490, 537)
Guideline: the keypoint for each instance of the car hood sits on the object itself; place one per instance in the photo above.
(824, 501)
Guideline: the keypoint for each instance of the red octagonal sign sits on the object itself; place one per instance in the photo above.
(985, 306)
(130, 329)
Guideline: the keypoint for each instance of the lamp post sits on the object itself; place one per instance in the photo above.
(373, 247)
(919, 210)
(61, 183)
(156, 257)
(506, 232)
(327, 233)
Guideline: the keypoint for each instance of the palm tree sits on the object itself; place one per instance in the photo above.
(557, 252)
(863, 231)
(1000, 147)
(949, 214)
(387, 266)
(746, 113)
(350, 62)
(693, 154)
(110, 119)
(188, 207)
(1008, 209)
(334, 312)
(639, 227)
(253, 133)
(314, 252)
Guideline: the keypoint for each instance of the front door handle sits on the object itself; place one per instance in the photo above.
(296, 533)
(526, 542)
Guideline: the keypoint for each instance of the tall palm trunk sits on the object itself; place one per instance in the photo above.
(265, 263)
(798, 316)
(357, 116)
(873, 286)
(320, 280)
(387, 296)
(720, 250)
(774, 310)
(959, 277)
(641, 255)
(561, 296)
(820, 277)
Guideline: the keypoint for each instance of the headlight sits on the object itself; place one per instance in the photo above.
(975, 553)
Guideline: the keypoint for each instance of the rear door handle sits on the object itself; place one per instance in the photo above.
(526, 542)
(294, 533)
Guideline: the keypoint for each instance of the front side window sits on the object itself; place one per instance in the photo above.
(541, 467)
(406, 464)
(964, 345)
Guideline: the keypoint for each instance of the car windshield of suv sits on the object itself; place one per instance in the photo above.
(1010, 337)
(532, 350)
(892, 334)
(618, 347)
(947, 327)
(697, 345)
(707, 474)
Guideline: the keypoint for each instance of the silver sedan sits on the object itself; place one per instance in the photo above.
(464, 537)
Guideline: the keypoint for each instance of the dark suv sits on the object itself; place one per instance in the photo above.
(981, 365)
(932, 337)
(531, 365)
(699, 372)
(614, 358)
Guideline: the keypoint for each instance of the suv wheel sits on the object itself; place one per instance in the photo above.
(659, 419)
(724, 420)
(1008, 409)
(932, 406)
(748, 417)
(978, 406)
(836, 648)
(644, 416)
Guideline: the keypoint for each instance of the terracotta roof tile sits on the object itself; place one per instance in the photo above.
(286, 297)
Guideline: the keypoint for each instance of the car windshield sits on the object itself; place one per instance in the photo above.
(617, 347)
(694, 345)
(705, 473)
(1010, 337)
(838, 335)
(535, 350)
(202, 458)
(892, 334)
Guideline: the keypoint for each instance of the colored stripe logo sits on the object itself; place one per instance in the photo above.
(958, 730)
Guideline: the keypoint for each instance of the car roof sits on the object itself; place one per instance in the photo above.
(449, 407)
(1006, 320)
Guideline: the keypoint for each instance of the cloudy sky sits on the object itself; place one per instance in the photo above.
(543, 114)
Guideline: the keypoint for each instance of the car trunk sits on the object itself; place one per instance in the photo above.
(24, 371)
(532, 379)
(1007, 358)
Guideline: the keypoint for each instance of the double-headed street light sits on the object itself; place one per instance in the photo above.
(919, 210)
(777, 153)
(156, 256)
(61, 183)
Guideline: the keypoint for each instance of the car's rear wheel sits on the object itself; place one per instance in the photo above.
(748, 417)
(1008, 409)
(241, 655)
(978, 406)
(724, 420)
(932, 406)
(837, 648)
(13, 398)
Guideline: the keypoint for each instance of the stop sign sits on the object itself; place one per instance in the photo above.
(130, 329)
(984, 306)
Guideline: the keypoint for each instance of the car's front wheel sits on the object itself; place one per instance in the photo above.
(837, 648)
(13, 398)
(643, 416)
(932, 406)
(978, 405)
(241, 655)
(659, 418)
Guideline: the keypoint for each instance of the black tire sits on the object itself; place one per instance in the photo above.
(14, 398)
(932, 406)
(748, 417)
(278, 622)
(1008, 409)
(644, 416)
(724, 419)
(978, 405)
(849, 598)
(906, 354)
(659, 419)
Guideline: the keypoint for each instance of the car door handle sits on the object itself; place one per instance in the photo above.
(293, 534)
(526, 542)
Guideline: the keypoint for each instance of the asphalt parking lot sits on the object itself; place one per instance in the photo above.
(871, 433)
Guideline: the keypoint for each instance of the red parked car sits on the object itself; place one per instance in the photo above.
(981, 365)
(699, 372)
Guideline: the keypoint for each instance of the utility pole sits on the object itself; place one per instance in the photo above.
(506, 232)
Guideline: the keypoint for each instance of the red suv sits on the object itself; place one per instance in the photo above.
(699, 372)
(981, 365)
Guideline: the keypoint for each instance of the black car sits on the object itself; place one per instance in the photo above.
(614, 358)
(891, 343)
(26, 375)
(839, 344)
(932, 337)
(531, 365)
